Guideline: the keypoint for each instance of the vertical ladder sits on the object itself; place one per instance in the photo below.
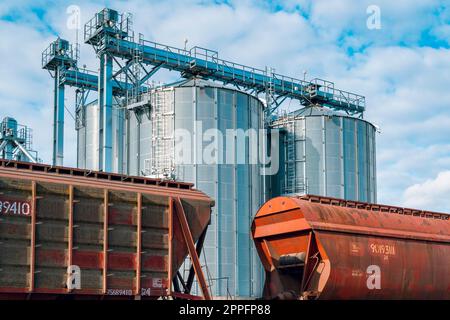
(134, 94)
(270, 90)
(162, 136)
(290, 157)
(293, 183)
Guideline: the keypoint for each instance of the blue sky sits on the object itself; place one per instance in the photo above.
(403, 68)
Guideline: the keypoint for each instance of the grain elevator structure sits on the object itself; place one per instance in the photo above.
(211, 128)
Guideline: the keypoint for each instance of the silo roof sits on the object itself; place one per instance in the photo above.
(201, 83)
(198, 83)
(314, 111)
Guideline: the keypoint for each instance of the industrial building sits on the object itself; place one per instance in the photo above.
(130, 128)
(16, 141)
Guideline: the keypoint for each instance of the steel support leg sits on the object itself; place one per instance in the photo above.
(176, 285)
(181, 217)
(190, 279)
(105, 99)
(58, 121)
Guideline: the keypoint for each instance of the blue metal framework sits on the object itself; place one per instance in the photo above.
(57, 58)
(16, 142)
(113, 40)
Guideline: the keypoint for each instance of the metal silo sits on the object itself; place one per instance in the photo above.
(137, 141)
(327, 153)
(87, 126)
(145, 143)
(195, 108)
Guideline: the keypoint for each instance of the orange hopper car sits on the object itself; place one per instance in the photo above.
(323, 248)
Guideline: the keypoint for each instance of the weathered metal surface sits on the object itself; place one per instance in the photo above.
(352, 250)
(115, 232)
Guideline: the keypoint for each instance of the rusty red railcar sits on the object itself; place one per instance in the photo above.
(67, 232)
(323, 248)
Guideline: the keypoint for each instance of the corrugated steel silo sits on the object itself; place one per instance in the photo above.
(138, 142)
(88, 138)
(236, 186)
(327, 153)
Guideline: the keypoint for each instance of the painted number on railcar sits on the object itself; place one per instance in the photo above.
(119, 292)
(157, 283)
(11, 207)
(383, 249)
(128, 292)
(146, 292)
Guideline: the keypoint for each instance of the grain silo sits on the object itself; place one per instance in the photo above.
(88, 128)
(193, 109)
(200, 112)
(327, 153)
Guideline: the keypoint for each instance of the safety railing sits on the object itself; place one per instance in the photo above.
(55, 49)
(108, 19)
(79, 75)
(374, 207)
(199, 57)
(48, 54)
(199, 60)
(203, 53)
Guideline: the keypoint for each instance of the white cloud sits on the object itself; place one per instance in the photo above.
(401, 165)
(25, 89)
(433, 194)
(407, 97)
